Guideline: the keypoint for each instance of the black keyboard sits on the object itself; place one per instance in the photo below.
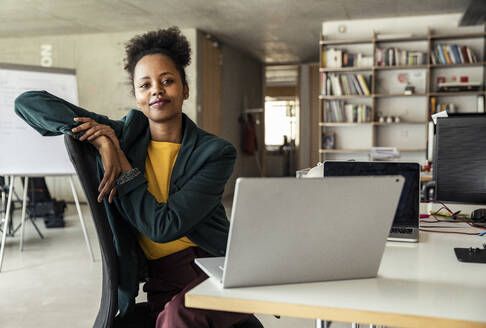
(402, 230)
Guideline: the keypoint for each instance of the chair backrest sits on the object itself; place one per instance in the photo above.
(84, 161)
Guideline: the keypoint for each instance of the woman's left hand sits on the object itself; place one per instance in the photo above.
(93, 130)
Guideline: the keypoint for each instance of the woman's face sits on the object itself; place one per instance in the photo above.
(158, 88)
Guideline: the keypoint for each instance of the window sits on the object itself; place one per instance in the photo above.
(280, 121)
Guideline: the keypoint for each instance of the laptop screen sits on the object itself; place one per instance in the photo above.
(407, 214)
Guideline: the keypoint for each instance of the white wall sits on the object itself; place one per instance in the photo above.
(103, 85)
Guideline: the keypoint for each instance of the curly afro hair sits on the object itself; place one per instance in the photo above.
(169, 42)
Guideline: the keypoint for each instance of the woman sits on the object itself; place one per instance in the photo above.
(162, 179)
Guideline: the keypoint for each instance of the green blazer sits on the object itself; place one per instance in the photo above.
(193, 209)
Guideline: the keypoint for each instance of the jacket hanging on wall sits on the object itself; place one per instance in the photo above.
(249, 143)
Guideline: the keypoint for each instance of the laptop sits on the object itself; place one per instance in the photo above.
(406, 222)
(288, 230)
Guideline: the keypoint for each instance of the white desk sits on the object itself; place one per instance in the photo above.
(418, 285)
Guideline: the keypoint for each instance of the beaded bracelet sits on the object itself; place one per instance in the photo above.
(127, 176)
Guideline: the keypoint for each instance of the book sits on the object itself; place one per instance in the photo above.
(452, 58)
(446, 55)
(352, 87)
(355, 82)
(345, 59)
(344, 83)
(480, 108)
(378, 57)
(336, 86)
(337, 111)
(404, 55)
(324, 84)
(363, 85)
(440, 51)
(470, 54)
(464, 54)
(456, 53)
(433, 56)
(348, 110)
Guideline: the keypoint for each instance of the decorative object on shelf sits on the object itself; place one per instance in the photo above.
(328, 140)
(455, 86)
(402, 77)
(440, 79)
(449, 108)
(409, 90)
(396, 119)
(364, 61)
(333, 58)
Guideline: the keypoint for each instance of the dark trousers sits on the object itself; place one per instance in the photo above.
(169, 279)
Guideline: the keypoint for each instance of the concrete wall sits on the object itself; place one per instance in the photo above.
(103, 85)
(242, 87)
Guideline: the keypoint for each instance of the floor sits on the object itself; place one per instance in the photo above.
(53, 282)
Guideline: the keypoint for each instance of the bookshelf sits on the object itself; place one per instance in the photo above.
(385, 97)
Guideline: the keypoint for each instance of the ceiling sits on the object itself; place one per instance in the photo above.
(275, 31)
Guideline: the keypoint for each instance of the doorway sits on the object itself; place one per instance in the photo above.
(281, 120)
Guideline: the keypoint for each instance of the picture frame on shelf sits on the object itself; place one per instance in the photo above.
(328, 140)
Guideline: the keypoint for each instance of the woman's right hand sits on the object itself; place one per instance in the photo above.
(93, 130)
(112, 166)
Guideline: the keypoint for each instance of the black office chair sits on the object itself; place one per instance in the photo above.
(84, 162)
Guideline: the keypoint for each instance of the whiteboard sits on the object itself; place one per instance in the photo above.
(23, 151)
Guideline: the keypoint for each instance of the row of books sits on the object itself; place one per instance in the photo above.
(337, 58)
(344, 84)
(452, 54)
(398, 57)
(339, 111)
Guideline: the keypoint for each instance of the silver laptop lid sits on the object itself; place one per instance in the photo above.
(287, 230)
